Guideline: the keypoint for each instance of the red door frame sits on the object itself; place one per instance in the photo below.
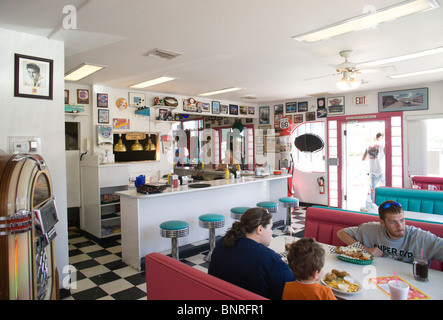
(384, 116)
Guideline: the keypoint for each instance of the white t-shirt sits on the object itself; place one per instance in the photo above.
(376, 156)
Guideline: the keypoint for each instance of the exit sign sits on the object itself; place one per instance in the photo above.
(361, 101)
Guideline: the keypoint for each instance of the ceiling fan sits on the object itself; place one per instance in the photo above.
(347, 69)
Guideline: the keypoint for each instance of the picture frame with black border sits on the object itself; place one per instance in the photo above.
(102, 100)
(33, 77)
(103, 115)
(233, 109)
(302, 106)
(291, 107)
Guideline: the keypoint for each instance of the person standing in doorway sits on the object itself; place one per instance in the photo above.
(375, 155)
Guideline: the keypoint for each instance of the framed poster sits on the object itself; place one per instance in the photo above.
(336, 105)
(291, 107)
(302, 106)
(215, 107)
(102, 100)
(82, 96)
(403, 100)
(103, 115)
(263, 115)
(33, 77)
(233, 109)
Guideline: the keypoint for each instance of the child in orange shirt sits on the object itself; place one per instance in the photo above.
(306, 258)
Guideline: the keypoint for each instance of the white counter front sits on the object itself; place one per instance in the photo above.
(142, 214)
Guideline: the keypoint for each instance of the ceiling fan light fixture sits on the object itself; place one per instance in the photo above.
(368, 20)
(346, 84)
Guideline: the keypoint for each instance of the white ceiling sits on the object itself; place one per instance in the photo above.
(243, 43)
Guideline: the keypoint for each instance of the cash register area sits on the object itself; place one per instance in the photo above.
(100, 273)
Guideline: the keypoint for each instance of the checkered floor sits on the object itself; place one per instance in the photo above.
(101, 275)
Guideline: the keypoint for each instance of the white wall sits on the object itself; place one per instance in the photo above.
(38, 117)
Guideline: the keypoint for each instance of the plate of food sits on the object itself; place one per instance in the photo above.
(341, 282)
(354, 253)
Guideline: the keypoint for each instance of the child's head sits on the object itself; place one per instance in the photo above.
(305, 257)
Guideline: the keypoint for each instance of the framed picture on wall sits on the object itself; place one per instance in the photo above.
(33, 77)
(336, 105)
(302, 106)
(233, 109)
(403, 100)
(215, 107)
(103, 115)
(263, 115)
(82, 96)
(102, 100)
(291, 107)
(137, 99)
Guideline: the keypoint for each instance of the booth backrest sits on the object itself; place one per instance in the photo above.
(423, 182)
(322, 223)
(425, 201)
(169, 279)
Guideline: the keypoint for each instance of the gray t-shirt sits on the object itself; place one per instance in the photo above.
(373, 234)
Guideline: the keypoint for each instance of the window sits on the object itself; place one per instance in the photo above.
(425, 139)
(307, 161)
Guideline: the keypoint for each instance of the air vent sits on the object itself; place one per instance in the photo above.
(162, 54)
(249, 97)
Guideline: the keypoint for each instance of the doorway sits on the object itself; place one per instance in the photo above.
(359, 135)
(346, 170)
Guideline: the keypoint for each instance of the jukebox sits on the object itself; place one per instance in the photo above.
(27, 217)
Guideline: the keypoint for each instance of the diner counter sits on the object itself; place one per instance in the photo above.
(141, 214)
(380, 267)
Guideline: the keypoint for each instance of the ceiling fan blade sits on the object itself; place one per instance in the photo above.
(323, 76)
(378, 69)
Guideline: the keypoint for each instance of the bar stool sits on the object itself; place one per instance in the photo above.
(237, 212)
(289, 203)
(174, 229)
(270, 205)
(211, 221)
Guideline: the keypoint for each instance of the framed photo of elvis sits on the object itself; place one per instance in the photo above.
(33, 77)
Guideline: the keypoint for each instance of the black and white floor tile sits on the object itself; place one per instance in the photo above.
(101, 275)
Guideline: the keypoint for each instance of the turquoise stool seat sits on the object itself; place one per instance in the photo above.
(237, 212)
(211, 221)
(289, 203)
(174, 229)
(270, 205)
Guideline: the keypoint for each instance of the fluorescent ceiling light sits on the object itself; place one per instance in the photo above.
(368, 20)
(153, 82)
(82, 71)
(401, 58)
(220, 91)
(413, 74)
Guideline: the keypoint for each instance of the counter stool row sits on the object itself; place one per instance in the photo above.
(175, 229)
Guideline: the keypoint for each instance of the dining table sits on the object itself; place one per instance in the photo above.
(372, 278)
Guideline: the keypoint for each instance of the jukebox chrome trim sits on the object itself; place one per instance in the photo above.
(18, 222)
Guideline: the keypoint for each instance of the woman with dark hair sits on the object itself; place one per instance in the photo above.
(242, 256)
